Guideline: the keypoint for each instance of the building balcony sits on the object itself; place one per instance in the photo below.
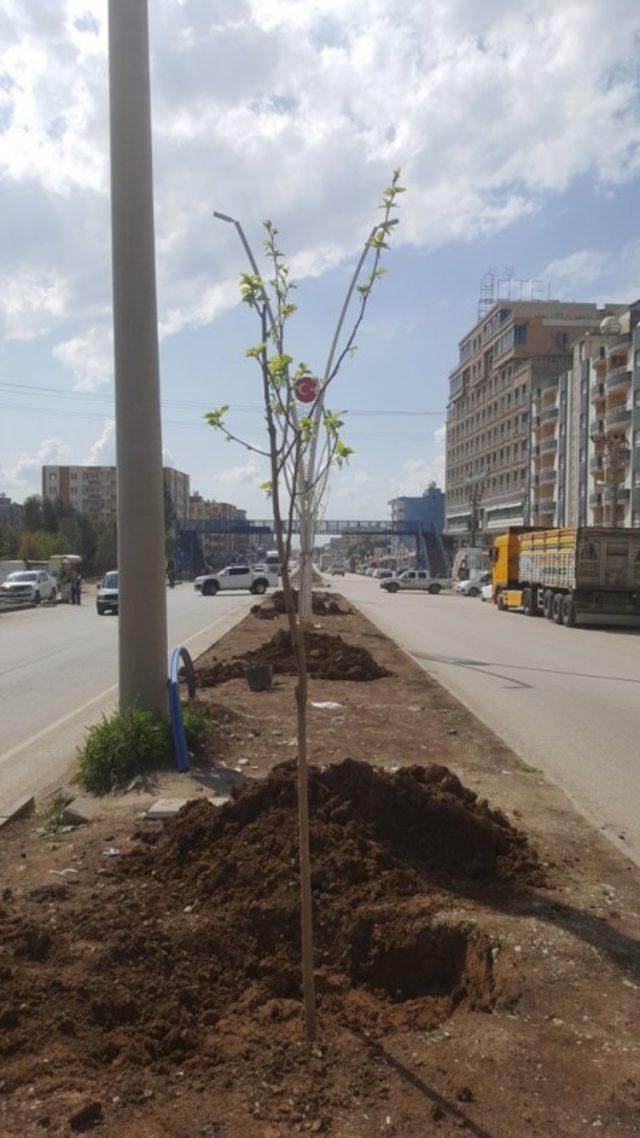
(596, 501)
(548, 475)
(597, 392)
(596, 463)
(596, 427)
(548, 444)
(618, 343)
(621, 417)
(548, 414)
(619, 379)
(546, 505)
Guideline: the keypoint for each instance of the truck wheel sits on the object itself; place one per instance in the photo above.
(209, 589)
(259, 587)
(500, 600)
(473, 592)
(392, 588)
(556, 608)
(547, 602)
(37, 598)
(530, 602)
(568, 612)
(434, 589)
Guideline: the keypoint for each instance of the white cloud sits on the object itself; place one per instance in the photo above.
(31, 303)
(102, 452)
(574, 273)
(27, 468)
(608, 275)
(298, 111)
(240, 475)
(89, 356)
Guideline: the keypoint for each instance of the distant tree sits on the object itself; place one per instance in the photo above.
(88, 538)
(106, 554)
(10, 538)
(30, 548)
(32, 513)
(49, 516)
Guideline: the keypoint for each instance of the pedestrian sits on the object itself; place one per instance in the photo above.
(76, 587)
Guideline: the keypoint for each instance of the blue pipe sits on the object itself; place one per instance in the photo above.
(180, 750)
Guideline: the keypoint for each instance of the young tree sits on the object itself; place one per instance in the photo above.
(304, 443)
(32, 513)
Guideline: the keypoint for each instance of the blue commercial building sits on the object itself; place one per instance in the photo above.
(427, 510)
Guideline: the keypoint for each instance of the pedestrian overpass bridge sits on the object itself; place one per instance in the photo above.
(430, 552)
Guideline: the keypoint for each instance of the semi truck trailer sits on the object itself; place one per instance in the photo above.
(580, 575)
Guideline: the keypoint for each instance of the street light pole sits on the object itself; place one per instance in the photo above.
(141, 554)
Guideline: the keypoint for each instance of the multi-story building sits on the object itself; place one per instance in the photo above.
(219, 548)
(92, 490)
(514, 349)
(585, 431)
(427, 509)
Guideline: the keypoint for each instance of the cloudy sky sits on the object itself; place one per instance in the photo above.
(515, 122)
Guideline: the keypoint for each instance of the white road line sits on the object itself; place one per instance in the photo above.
(101, 695)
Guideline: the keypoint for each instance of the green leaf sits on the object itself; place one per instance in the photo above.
(255, 352)
(267, 487)
(216, 418)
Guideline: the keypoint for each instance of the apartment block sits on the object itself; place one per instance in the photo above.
(219, 548)
(514, 350)
(585, 431)
(92, 490)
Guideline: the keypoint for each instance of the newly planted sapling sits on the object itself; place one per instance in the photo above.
(304, 442)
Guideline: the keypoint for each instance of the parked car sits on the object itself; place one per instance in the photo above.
(416, 579)
(28, 586)
(383, 574)
(235, 577)
(337, 571)
(486, 591)
(107, 596)
(473, 587)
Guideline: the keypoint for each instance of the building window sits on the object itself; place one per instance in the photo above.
(561, 340)
(520, 333)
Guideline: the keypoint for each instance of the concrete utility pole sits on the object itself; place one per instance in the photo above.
(141, 555)
(476, 491)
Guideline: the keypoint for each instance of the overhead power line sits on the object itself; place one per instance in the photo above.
(186, 404)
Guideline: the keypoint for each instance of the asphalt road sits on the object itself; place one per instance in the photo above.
(566, 700)
(59, 671)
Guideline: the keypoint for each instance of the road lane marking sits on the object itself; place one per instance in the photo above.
(101, 695)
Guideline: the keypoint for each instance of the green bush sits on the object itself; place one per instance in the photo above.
(117, 749)
(196, 719)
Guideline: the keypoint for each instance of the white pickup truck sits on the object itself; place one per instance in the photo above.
(416, 579)
(235, 577)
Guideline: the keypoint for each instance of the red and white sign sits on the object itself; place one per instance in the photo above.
(306, 388)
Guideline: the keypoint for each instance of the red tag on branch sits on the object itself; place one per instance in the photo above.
(306, 388)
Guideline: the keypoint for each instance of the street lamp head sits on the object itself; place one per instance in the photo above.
(223, 217)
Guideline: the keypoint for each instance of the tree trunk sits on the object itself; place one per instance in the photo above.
(297, 640)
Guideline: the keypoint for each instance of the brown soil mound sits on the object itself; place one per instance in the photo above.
(188, 953)
(328, 658)
(322, 604)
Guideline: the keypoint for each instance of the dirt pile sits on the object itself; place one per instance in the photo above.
(322, 604)
(328, 658)
(200, 923)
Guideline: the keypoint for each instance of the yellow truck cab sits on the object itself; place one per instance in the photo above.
(505, 570)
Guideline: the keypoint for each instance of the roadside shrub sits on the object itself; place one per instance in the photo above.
(115, 750)
(196, 719)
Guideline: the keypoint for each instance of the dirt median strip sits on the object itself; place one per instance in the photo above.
(477, 942)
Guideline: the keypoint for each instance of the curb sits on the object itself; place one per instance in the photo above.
(22, 806)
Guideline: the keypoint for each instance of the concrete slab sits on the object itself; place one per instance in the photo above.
(16, 810)
(169, 807)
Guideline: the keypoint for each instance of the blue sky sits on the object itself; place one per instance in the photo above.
(517, 129)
